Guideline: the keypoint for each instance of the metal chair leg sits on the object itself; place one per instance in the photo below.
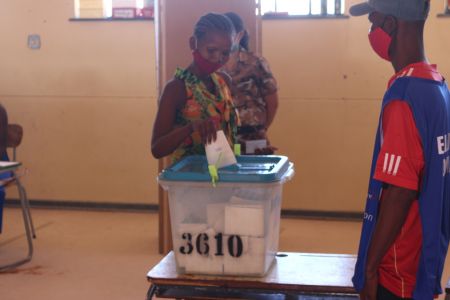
(24, 193)
(26, 219)
(27, 206)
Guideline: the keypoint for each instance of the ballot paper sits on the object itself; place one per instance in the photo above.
(219, 152)
(244, 219)
(215, 216)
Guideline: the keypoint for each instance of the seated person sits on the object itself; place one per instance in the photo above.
(9, 135)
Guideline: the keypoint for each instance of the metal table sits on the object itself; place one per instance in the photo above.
(308, 276)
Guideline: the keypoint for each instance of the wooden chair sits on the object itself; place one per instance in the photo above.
(15, 134)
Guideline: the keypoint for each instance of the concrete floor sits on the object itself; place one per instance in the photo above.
(106, 255)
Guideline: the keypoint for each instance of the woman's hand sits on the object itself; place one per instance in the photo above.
(269, 150)
(207, 129)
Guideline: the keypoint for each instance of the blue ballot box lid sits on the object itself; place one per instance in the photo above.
(249, 168)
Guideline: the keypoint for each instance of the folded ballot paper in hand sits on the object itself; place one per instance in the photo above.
(219, 152)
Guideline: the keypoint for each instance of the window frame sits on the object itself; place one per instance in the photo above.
(108, 16)
(323, 14)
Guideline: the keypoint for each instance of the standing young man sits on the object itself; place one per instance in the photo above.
(406, 227)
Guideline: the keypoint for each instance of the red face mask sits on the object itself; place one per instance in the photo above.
(203, 64)
(380, 42)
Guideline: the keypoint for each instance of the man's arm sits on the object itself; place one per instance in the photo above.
(394, 208)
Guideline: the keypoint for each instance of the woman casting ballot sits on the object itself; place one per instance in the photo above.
(197, 101)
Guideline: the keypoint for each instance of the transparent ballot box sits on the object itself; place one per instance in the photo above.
(230, 227)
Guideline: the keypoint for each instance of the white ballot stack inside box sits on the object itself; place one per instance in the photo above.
(231, 228)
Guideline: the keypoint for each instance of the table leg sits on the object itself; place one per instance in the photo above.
(151, 292)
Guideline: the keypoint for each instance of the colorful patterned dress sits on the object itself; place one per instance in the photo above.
(201, 104)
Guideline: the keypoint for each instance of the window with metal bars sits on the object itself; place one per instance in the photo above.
(303, 7)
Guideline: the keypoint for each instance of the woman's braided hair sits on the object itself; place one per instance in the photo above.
(213, 22)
